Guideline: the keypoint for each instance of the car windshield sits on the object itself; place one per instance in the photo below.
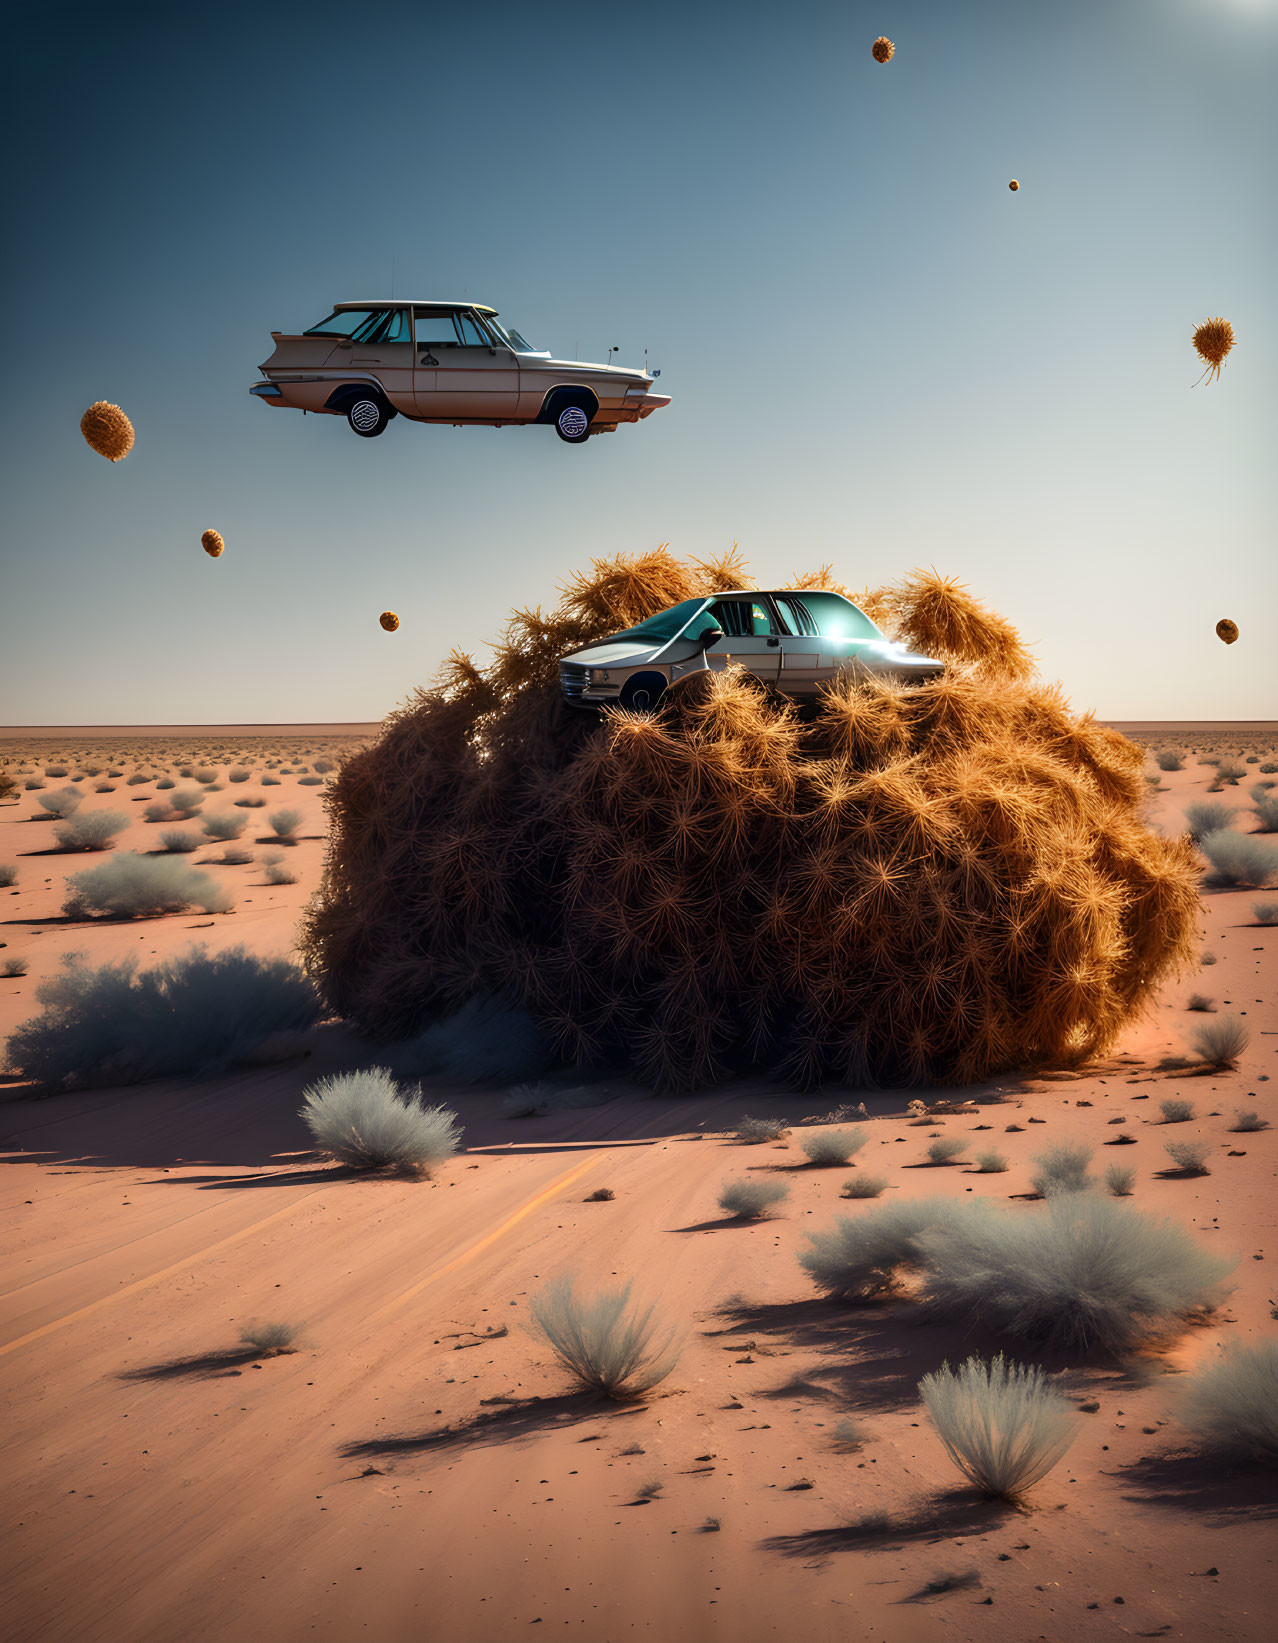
(511, 337)
(828, 614)
(666, 624)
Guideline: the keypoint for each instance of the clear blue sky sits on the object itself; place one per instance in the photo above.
(877, 354)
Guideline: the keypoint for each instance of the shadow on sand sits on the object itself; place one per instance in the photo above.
(203, 1366)
(1216, 1491)
(965, 1513)
(511, 1418)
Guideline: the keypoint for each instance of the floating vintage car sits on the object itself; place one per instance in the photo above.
(794, 641)
(445, 362)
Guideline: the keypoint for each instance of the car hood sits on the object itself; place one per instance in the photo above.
(619, 373)
(613, 654)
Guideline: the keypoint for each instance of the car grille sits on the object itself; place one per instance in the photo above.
(573, 678)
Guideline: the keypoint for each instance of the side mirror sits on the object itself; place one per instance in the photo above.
(708, 636)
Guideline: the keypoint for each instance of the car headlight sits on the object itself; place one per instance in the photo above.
(599, 676)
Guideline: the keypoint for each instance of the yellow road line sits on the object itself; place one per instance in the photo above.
(488, 1238)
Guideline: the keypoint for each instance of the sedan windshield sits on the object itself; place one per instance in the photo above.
(511, 337)
(666, 624)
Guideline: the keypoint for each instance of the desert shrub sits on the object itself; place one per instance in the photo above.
(165, 784)
(1081, 1271)
(1269, 769)
(601, 1195)
(61, 804)
(90, 829)
(108, 1024)
(1200, 1001)
(849, 1433)
(1230, 770)
(1239, 858)
(1244, 1122)
(863, 1186)
(863, 1257)
(323, 766)
(130, 885)
(252, 803)
(748, 1199)
(277, 873)
(186, 801)
(310, 781)
(1176, 1111)
(238, 775)
(224, 825)
(990, 1163)
(1189, 1157)
(284, 824)
(137, 779)
(236, 858)
(270, 1339)
(32, 783)
(832, 1146)
(104, 787)
(12, 968)
(1232, 1405)
(602, 1344)
(1266, 814)
(488, 1040)
(53, 771)
(1003, 1425)
(1169, 759)
(205, 775)
(1119, 1180)
(368, 1121)
(186, 772)
(270, 781)
(1062, 1168)
(754, 1131)
(179, 843)
(1208, 958)
(945, 1149)
(8, 874)
(1219, 1043)
(817, 957)
(1208, 816)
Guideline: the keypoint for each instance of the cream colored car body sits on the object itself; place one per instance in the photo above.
(445, 362)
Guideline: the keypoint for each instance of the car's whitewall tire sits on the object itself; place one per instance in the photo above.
(368, 416)
(572, 423)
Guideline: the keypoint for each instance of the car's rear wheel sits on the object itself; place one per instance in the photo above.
(368, 415)
(572, 419)
(642, 692)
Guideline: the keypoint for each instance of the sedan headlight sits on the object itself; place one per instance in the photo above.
(599, 676)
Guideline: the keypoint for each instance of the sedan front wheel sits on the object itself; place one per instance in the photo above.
(572, 422)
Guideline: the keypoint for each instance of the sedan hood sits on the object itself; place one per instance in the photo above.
(612, 654)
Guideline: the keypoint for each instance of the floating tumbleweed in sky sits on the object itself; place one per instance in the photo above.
(1212, 341)
(882, 50)
(1013, 185)
(1226, 630)
(212, 543)
(389, 620)
(108, 430)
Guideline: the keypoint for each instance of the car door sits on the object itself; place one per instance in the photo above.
(827, 633)
(474, 379)
(751, 636)
(384, 349)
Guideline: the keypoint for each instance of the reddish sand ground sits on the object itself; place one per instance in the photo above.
(377, 1483)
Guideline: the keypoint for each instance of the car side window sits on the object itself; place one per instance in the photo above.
(344, 323)
(471, 335)
(797, 618)
(396, 327)
(742, 618)
(433, 327)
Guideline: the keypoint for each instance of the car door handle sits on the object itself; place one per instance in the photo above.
(774, 641)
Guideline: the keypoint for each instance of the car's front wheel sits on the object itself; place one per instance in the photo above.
(642, 692)
(368, 415)
(572, 421)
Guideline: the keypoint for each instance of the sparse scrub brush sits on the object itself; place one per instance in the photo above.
(90, 829)
(1240, 859)
(1269, 769)
(1229, 770)
(186, 801)
(270, 781)
(367, 1121)
(239, 774)
(104, 787)
(270, 1339)
(1232, 1405)
(1219, 1043)
(250, 803)
(277, 873)
(224, 825)
(236, 858)
(12, 968)
(1208, 958)
(1266, 814)
(1119, 1180)
(1176, 1111)
(1245, 1122)
(56, 771)
(748, 1200)
(1003, 1425)
(1265, 912)
(1062, 1168)
(310, 781)
(129, 886)
(945, 1149)
(990, 1163)
(137, 779)
(602, 1344)
(490, 841)
(863, 1186)
(864, 1256)
(61, 804)
(179, 843)
(754, 1131)
(8, 874)
(323, 766)
(108, 1024)
(165, 784)
(1169, 759)
(1200, 1001)
(32, 783)
(284, 824)
(205, 775)
(1189, 1157)
(1081, 1271)
(1208, 816)
(832, 1146)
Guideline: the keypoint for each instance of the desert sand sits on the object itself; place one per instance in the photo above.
(421, 1468)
